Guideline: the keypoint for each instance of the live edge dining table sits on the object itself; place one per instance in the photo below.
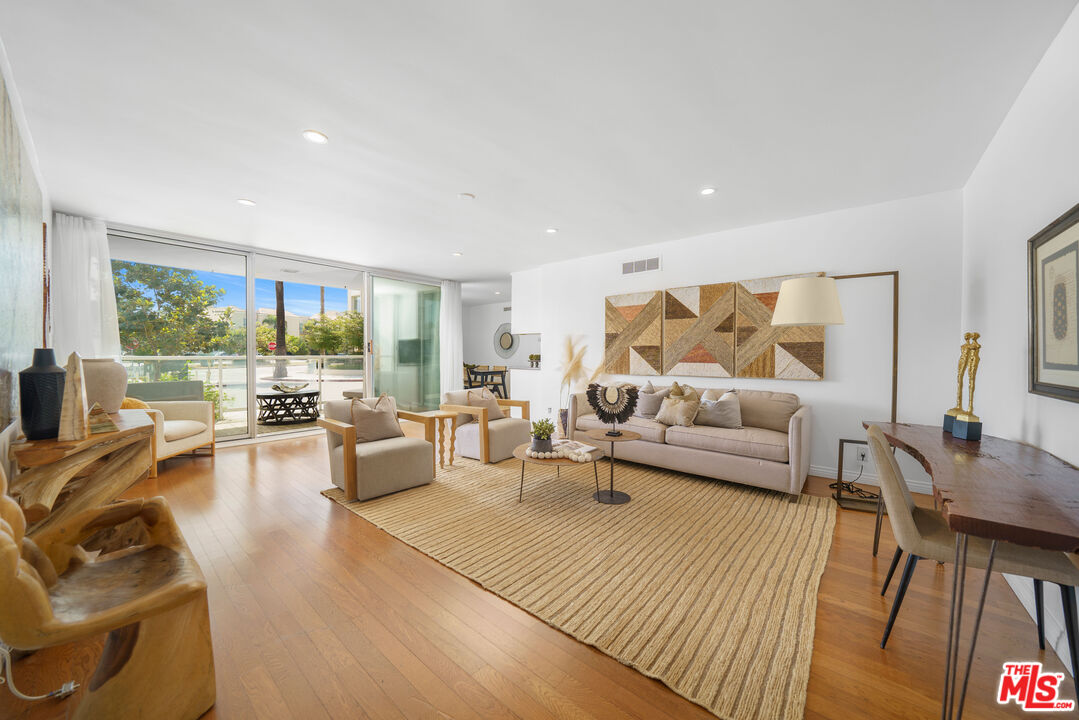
(996, 489)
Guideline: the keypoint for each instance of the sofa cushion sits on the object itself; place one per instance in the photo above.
(650, 430)
(648, 401)
(722, 413)
(766, 409)
(678, 410)
(180, 429)
(748, 442)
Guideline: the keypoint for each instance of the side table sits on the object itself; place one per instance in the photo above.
(611, 496)
(451, 418)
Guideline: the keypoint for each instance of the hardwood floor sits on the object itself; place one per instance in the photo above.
(316, 613)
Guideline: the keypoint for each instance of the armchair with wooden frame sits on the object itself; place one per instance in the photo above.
(484, 439)
(369, 469)
(147, 592)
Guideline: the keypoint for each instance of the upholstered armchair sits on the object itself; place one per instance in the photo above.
(181, 426)
(366, 470)
(484, 439)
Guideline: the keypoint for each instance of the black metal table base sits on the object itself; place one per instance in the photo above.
(611, 497)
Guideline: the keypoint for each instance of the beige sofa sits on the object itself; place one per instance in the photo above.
(770, 451)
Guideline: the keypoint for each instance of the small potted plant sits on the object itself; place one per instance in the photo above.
(542, 430)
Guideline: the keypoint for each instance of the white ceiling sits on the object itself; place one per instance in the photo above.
(601, 118)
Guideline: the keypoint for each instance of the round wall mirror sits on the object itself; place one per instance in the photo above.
(505, 341)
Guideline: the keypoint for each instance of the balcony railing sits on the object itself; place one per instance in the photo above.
(224, 379)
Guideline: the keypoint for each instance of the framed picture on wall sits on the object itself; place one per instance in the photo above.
(1053, 266)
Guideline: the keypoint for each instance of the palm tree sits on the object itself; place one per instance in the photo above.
(280, 367)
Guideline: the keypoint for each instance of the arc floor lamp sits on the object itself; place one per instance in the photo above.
(815, 301)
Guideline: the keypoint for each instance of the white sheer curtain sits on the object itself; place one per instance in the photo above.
(83, 299)
(451, 336)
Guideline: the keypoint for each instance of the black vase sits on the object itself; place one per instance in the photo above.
(41, 395)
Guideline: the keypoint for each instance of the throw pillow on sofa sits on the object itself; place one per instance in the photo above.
(649, 400)
(725, 412)
(485, 398)
(684, 391)
(378, 422)
(678, 410)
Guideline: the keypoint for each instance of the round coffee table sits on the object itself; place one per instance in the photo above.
(611, 496)
(519, 453)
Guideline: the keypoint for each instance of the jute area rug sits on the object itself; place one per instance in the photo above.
(707, 586)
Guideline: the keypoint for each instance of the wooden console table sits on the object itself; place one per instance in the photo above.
(996, 489)
(57, 480)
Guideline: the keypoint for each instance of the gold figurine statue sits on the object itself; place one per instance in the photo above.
(968, 365)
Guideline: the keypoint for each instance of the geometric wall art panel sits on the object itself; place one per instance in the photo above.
(763, 351)
(633, 334)
(698, 330)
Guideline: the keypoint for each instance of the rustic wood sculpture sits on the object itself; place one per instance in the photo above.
(74, 424)
(58, 480)
(149, 598)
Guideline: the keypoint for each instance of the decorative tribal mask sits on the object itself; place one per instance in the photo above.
(612, 403)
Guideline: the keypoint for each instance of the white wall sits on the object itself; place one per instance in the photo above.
(480, 323)
(1026, 179)
(7, 434)
(921, 237)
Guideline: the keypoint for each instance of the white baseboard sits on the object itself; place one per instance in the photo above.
(868, 478)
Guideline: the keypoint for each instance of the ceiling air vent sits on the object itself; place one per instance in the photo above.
(636, 266)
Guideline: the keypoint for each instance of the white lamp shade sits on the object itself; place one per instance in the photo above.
(808, 301)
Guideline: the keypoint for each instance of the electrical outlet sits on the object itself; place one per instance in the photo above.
(862, 452)
(548, 411)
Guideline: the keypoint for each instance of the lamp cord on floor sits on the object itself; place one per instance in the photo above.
(850, 487)
(5, 660)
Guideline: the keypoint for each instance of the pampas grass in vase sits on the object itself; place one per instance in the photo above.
(574, 376)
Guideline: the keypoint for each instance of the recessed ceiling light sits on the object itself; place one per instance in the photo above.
(466, 196)
(498, 292)
(457, 254)
(708, 191)
(246, 201)
(316, 137)
(552, 230)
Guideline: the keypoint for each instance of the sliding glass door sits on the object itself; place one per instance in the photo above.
(182, 313)
(309, 338)
(404, 348)
(269, 339)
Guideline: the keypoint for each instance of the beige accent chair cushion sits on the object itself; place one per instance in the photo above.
(385, 466)
(375, 419)
(747, 442)
(649, 430)
(766, 409)
(485, 398)
(180, 429)
(503, 436)
(648, 401)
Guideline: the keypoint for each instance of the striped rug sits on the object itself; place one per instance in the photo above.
(707, 586)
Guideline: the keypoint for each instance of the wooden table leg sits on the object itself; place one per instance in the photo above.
(453, 437)
(441, 442)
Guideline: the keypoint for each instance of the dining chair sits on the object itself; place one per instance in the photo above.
(497, 383)
(923, 533)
